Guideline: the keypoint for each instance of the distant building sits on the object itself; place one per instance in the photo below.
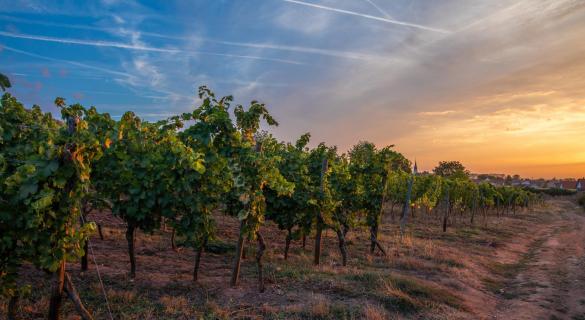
(527, 183)
(568, 185)
(553, 184)
(581, 184)
(540, 183)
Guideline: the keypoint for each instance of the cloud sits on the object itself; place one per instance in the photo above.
(101, 43)
(147, 70)
(382, 11)
(314, 23)
(436, 113)
(73, 63)
(118, 19)
(367, 16)
(141, 67)
(509, 139)
(126, 78)
(347, 54)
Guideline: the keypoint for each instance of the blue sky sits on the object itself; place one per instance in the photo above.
(415, 73)
(150, 57)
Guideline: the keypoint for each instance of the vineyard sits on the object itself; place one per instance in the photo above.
(266, 215)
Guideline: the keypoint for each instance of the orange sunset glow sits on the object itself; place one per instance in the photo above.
(503, 94)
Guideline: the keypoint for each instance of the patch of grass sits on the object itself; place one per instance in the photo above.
(372, 312)
(505, 272)
(429, 293)
(368, 280)
(444, 260)
(296, 273)
(492, 285)
(319, 309)
(138, 308)
(176, 305)
(512, 269)
(415, 264)
(219, 247)
(403, 294)
(467, 232)
(212, 311)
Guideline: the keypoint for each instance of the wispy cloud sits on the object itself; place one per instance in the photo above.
(436, 113)
(141, 66)
(510, 56)
(315, 22)
(93, 43)
(111, 44)
(123, 77)
(73, 63)
(368, 16)
(254, 45)
(258, 83)
(382, 11)
(156, 115)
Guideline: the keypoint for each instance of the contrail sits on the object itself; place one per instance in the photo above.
(122, 74)
(87, 66)
(255, 45)
(379, 9)
(489, 16)
(88, 42)
(77, 64)
(367, 16)
(325, 52)
(138, 47)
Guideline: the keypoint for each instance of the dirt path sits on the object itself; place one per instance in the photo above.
(547, 281)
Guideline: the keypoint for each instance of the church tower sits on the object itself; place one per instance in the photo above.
(415, 169)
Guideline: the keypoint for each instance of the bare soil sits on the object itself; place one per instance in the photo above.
(550, 282)
(524, 266)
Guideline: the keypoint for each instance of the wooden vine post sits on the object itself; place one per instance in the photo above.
(447, 211)
(406, 207)
(237, 261)
(240, 247)
(57, 292)
(260, 240)
(374, 228)
(320, 221)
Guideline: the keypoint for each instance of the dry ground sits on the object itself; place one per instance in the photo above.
(528, 266)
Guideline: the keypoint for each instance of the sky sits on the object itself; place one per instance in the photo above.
(497, 85)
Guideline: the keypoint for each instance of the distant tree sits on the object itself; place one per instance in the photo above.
(4, 82)
(508, 180)
(451, 169)
(485, 176)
